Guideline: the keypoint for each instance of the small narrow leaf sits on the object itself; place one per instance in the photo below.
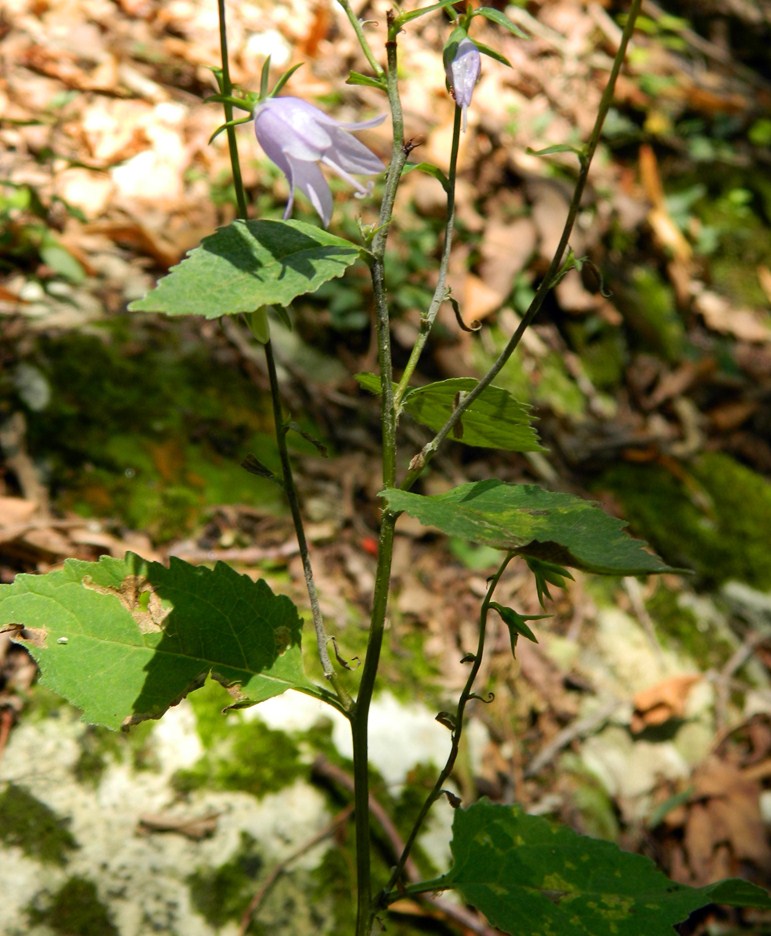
(414, 14)
(249, 264)
(429, 169)
(124, 639)
(492, 53)
(356, 78)
(546, 574)
(517, 622)
(500, 19)
(523, 518)
(530, 877)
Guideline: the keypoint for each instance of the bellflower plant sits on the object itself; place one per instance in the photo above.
(297, 137)
(146, 634)
(463, 64)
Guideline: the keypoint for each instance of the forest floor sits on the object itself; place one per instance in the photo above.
(649, 370)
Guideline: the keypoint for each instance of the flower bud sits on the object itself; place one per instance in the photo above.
(462, 63)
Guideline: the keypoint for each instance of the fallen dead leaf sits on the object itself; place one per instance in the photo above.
(658, 704)
(721, 316)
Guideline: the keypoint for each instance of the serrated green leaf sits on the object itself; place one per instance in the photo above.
(525, 519)
(124, 639)
(500, 19)
(494, 420)
(533, 878)
(249, 264)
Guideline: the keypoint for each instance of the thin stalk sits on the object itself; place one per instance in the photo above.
(418, 464)
(440, 293)
(226, 89)
(294, 506)
(357, 26)
(360, 713)
(289, 486)
(457, 732)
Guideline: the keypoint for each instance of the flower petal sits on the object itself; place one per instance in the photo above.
(464, 72)
(311, 182)
(352, 155)
(301, 130)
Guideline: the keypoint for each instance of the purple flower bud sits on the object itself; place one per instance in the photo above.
(297, 137)
(463, 74)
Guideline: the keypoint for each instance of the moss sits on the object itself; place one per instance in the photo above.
(648, 306)
(99, 747)
(240, 755)
(678, 625)
(75, 910)
(714, 520)
(602, 349)
(33, 827)
(223, 893)
(143, 426)
(596, 811)
(547, 384)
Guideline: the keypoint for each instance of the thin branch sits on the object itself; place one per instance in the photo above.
(421, 460)
(280, 868)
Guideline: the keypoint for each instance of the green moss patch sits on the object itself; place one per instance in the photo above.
(223, 893)
(75, 910)
(34, 827)
(714, 520)
(241, 755)
(149, 427)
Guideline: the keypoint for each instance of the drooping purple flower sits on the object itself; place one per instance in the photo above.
(463, 73)
(299, 138)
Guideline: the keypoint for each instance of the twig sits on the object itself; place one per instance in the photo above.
(577, 729)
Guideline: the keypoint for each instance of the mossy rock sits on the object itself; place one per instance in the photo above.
(75, 910)
(34, 827)
(150, 427)
(715, 519)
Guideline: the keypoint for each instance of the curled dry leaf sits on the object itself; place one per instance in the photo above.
(662, 702)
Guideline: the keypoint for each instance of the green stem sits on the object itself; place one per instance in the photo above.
(360, 714)
(465, 697)
(356, 25)
(418, 464)
(294, 506)
(440, 293)
(290, 489)
(226, 89)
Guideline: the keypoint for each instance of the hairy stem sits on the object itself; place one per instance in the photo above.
(360, 714)
(294, 506)
(440, 292)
